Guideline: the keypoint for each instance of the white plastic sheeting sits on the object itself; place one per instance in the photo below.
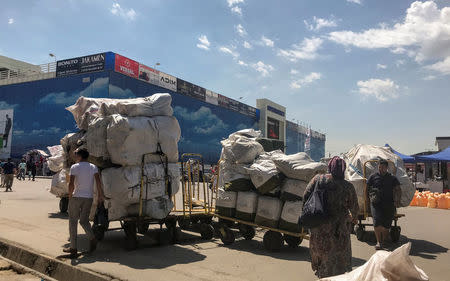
(60, 185)
(157, 208)
(261, 171)
(56, 160)
(242, 147)
(299, 166)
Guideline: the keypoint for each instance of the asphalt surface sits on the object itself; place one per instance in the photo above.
(30, 216)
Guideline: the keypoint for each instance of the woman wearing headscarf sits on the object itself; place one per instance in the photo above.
(329, 243)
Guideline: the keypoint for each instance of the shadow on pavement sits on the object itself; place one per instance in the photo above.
(58, 215)
(425, 249)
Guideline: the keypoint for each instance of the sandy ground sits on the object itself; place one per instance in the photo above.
(29, 216)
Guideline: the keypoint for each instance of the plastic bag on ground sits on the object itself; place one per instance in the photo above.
(226, 203)
(299, 166)
(131, 137)
(246, 205)
(56, 161)
(86, 109)
(269, 211)
(242, 147)
(292, 189)
(385, 266)
(290, 215)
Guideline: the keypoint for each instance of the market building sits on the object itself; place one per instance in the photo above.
(33, 100)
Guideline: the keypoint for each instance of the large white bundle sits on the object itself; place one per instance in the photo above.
(60, 186)
(269, 211)
(264, 175)
(292, 211)
(123, 184)
(359, 154)
(226, 203)
(359, 185)
(246, 205)
(242, 147)
(230, 172)
(292, 189)
(131, 137)
(157, 208)
(86, 109)
(116, 210)
(56, 161)
(95, 137)
(299, 166)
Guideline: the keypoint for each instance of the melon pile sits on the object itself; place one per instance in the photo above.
(431, 200)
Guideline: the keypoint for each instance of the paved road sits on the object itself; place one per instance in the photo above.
(29, 216)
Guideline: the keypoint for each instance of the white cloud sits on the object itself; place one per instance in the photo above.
(247, 45)
(119, 93)
(240, 30)
(294, 71)
(381, 66)
(266, 41)
(242, 63)
(355, 1)
(399, 62)
(231, 3)
(319, 23)
(423, 34)
(429, 77)
(263, 68)
(128, 14)
(229, 51)
(10, 21)
(382, 90)
(204, 43)
(5, 105)
(203, 121)
(306, 50)
(443, 66)
(237, 10)
(308, 79)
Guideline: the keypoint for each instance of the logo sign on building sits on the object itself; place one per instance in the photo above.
(189, 89)
(148, 74)
(167, 81)
(211, 97)
(79, 65)
(126, 66)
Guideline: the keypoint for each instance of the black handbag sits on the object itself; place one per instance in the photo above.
(315, 208)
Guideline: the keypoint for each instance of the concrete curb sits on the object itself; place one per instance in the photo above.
(48, 266)
(23, 269)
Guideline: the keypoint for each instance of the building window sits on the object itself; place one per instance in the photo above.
(273, 129)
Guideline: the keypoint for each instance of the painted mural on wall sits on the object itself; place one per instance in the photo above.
(295, 142)
(6, 122)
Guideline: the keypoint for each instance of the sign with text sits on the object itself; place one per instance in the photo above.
(189, 89)
(126, 66)
(148, 74)
(167, 81)
(211, 97)
(79, 65)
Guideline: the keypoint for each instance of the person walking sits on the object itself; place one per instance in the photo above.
(31, 169)
(22, 169)
(2, 174)
(9, 169)
(329, 244)
(381, 187)
(81, 191)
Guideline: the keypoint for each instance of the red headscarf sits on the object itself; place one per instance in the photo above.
(337, 166)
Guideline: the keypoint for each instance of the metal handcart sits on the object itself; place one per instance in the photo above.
(273, 239)
(140, 223)
(193, 211)
(360, 228)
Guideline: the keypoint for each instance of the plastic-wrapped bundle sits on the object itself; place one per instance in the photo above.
(246, 205)
(264, 175)
(299, 166)
(56, 161)
(292, 190)
(290, 215)
(269, 211)
(157, 208)
(242, 147)
(226, 203)
(60, 185)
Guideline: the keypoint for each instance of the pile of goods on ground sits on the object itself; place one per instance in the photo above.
(117, 133)
(263, 187)
(358, 155)
(431, 200)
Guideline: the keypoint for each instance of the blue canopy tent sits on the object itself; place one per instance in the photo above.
(443, 156)
(405, 158)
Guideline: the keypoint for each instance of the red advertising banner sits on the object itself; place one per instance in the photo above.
(126, 66)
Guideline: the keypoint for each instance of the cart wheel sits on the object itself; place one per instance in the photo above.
(142, 228)
(99, 232)
(206, 231)
(292, 241)
(63, 204)
(273, 241)
(247, 231)
(226, 222)
(359, 231)
(184, 222)
(226, 235)
(395, 233)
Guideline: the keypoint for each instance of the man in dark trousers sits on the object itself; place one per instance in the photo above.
(9, 169)
(381, 192)
(7, 131)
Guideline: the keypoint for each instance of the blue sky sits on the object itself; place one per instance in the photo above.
(362, 71)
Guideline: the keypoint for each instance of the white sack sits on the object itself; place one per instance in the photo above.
(261, 171)
(247, 202)
(242, 147)
(131, 137)
(292, 211)
(230, 172)
(226, 199)
(60, 186)
(157, 208)
(299, 166)
(95, 137)
(358, 155)
(359, 185)
(86, 109)
(116, 211)
(56, 161)
(292, 188)
(385, 266)
(269, 208)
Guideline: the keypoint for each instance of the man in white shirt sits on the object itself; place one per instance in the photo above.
(81, 191)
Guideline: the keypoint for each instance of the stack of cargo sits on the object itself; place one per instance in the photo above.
(117, 133)
(263, 187)
(431, 200)
(55, 163)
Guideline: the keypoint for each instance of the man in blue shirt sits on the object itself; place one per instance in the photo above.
(9, 170)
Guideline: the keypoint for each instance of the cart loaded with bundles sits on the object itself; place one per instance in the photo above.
(262, 189)
(134, 143)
